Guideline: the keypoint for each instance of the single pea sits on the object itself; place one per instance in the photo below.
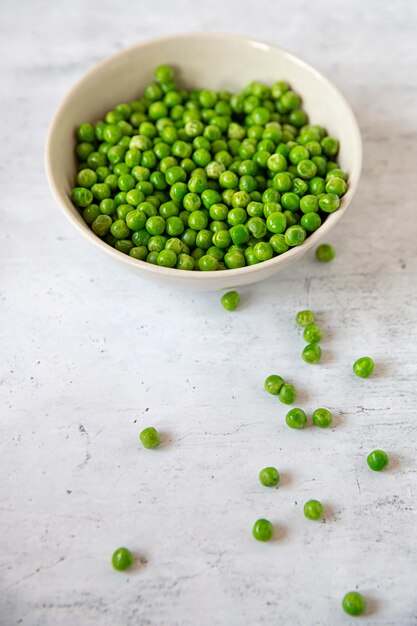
(139, 252)
(282, 182)
(123, 245)
(312, 333)
(156, 243)
(278, 243)
(290, 201)
(174, 226)
(234, 259)
(208, 263)
(276, 222)
(269, 477)
(81, 197)
(310, 222)
(287, 394)
(330, 146)
(295, 235)
(263, 251)
(230, 300)
(306, 169)
(336, 185)
(175, 244)
(322, 418)
(363, 367)
(119, 229)
(354, 603)
(296, 418)
(377, 460)
(136, 219)
(309, 204)
(155, 225)
(263, 530)
(185, 262)
(122, 559)
(325, 253)
(239, 234)
(222, 239)
(167, 258)
(329, 202)
(298, 153)
(149, 437)
(257, 227)
(312, 353)
(273, 384)
(317, 185)
(237, 216)
(277, 163)
(313, 509)
(304, 318)
(101, 225)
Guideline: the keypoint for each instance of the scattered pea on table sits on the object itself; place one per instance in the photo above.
(313, 509)
(269, 477)
(363, 367)
(122, 559)
(263, 530)
(150, 438)
(354, 603)
(377, 460)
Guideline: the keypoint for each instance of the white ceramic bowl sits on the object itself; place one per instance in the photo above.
(213, 61)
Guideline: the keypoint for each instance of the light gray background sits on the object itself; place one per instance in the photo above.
(91, 354)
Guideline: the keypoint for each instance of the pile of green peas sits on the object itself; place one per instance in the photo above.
(205, 180)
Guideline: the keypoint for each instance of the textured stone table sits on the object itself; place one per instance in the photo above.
(90, 355)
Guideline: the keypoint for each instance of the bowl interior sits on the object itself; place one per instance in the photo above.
(200, 60)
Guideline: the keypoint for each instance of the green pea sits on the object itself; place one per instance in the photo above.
(273, 384)
(278, 243)
(296, 418)
(257, 227)
(122, 559)
(185, 262)
(304, 318)
(363, 367)
(329, 202)
(287, 394)
(222, 239)
(269, 477)
(136, 219)
(208, 263)
(139, 252)
(312, 333)
(322, 418)
(234, 259)
(81, 197)
(325, 253)
(230, 300)
(166, 258)
(353, 603)
(239, 234)
(101, 225)
(276, 222)
(263, 530)
(312, 353)
(313, 509)
(149, 437)
(155, 225)
(295, 235)
(263, 251)
(90, 213)
(377, 460)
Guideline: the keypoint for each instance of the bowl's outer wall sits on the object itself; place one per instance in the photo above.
(200, 61)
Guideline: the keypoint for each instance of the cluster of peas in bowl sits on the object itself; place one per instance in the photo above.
(205, 180)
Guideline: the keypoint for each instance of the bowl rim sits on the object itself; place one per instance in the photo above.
(287, 257)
